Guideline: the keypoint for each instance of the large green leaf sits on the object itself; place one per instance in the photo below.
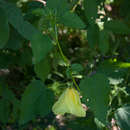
(117, 26)
(16, 19)
(15, 40)
(71, 20)
(103, 41)
(60, 6)
(93, 35)
(41, 44)
(4, 28)
(96, 89)
(122, 116)
(90, 10)
(44, 103)
(42, 69)
(30, 96)
(32, 102)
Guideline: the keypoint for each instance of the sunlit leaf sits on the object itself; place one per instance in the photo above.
(123, 65)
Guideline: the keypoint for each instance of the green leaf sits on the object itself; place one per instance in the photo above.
(32, 102)
(96, 89)
(60, 6)
(77, 67)
(42, 69)
(44, 103)
(117, 26)
(71, 20)
(99, 124)
(90, 10)
(8, 98)
(15, 40)
(123, 64)
(16, 20)
(122, 116)
(4, 28)
(4, 110)
(28, 54)
(30, 96)
(103, 41)
(16, 108)
(41, 44)
(93, 35)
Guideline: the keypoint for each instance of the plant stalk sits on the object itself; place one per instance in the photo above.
(65, 59)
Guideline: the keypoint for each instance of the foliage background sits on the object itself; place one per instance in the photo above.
(47, 48)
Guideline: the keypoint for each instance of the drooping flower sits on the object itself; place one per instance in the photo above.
(69, 102)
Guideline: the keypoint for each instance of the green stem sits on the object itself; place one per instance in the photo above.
(65, 59)
(73, 79)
